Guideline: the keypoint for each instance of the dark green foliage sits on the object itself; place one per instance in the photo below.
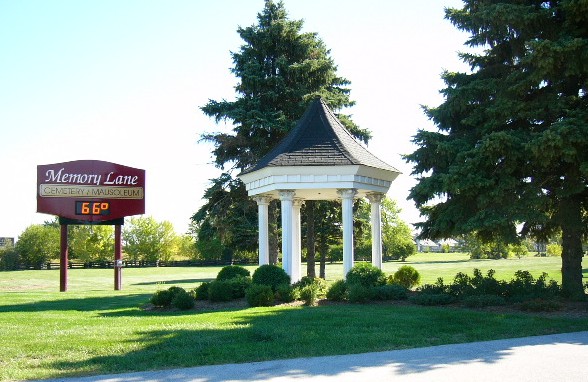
(220, 291)
(525, 287)
(9, 259)
(338, 291)
(280, 69)
(437, 288)
(365, 274)
(510, 150)
(318, 284)
(201, 291)
(260, 295)
(309, 294)
(239, 285)
(432, 299)
(361, 294)
(232, 271)
(271, 275)
(182, 301)
(174, 290)
(287, 293)
(406, 276)
(162, 298)
(540, 305)
(522, 287)
(483, 300)
(390, 292)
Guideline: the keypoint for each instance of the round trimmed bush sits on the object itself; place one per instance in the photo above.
(260, 295)
(162, 298)
(270, 275)
(219, 291)
(406, 276)
(201, 291)
(287, 293)
(183, 301)
(360, 294)
(337, 291)
(239, 285)
(365, 274)
(231, 272)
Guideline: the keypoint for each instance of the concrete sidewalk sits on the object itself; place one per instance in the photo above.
(558, 357)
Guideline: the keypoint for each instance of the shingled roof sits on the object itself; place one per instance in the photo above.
(319, 139)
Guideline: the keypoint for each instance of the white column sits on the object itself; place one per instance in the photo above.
(347, 196)
(287, 198)
(296, 264)
(262, 212)
(375, 199)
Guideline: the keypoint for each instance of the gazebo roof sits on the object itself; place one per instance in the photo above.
(316, 158)
(319, 139)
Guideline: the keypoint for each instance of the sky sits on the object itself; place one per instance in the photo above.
(123, 82)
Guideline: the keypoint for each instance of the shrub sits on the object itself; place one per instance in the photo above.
(309, 294)
(174, 290)
(162, 298)
(525, 287)
(219, 291)
(201, 291)
(438, 288)
(483, 300)
(337, 291)
(183, 301)
(260, 295)
(317, 283)
(365, 274)
(540, 305)
(287, 293)
(433, 299)
(360, 294)
(270, 275)
(239, 285)
(390, 292)
(232, 271)
(406, 276)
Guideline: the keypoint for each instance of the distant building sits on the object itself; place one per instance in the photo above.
(427, 245)
(6, 242)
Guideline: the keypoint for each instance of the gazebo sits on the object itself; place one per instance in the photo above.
(318, 160)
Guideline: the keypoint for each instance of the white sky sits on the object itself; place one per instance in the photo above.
(122, 81)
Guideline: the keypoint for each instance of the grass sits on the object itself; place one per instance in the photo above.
(93, 329)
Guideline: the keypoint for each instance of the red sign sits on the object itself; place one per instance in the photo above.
(90, 190)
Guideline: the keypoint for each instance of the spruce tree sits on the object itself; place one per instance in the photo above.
(280, 70)
(510, 155)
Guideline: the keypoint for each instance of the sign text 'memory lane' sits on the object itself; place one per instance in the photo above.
(63, 177)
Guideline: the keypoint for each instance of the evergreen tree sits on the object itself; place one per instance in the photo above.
(511, 148)
(280, 70)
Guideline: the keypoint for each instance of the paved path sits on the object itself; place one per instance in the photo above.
(558, 357)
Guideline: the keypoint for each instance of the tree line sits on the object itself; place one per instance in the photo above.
(147, 240)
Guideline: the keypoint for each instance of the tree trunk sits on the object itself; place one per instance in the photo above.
(273, 232)
(310, 238)
(571, 226)
(323, 249)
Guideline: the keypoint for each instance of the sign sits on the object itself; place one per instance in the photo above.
(90, 191)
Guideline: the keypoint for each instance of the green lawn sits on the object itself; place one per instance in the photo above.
(92, 329)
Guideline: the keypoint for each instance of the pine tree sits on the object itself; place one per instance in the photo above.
(510, 157)
(280, 70)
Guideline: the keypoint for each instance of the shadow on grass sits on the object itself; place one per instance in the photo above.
(82, 304)
(288, 334)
